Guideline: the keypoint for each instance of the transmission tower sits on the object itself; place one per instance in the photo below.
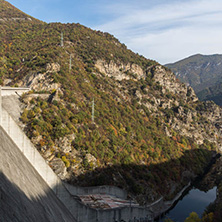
(70, 62)
(93, 110)
(62, 43)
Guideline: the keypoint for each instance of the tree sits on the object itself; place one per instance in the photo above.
(193, 217)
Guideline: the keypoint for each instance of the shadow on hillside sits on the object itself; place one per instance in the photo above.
(166, 178)
(15, 205)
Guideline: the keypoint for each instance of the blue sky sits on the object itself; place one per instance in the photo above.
(163, 30)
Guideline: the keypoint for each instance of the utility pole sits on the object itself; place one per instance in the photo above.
(93, 111)
(62, 43)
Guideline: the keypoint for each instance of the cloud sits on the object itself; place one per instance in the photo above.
(170, 31)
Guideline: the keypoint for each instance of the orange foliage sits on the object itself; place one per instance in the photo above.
(114, 129)
(146, 119)
(181, 145)
(174, 138)
(42, 142)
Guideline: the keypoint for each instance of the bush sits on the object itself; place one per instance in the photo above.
(67, 163)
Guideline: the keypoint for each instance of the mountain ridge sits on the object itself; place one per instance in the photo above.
(203, 73)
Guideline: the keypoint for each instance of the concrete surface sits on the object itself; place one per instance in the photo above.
(13, 106)
(24, 195)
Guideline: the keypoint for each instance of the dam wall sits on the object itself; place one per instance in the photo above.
(24, 195)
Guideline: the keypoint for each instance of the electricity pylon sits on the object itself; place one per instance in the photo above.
(62, 43)
(93, 111)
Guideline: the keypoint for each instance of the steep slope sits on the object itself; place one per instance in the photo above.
(143, 116)
(203, 73)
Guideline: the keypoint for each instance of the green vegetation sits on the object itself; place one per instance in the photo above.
(212, 93)
(129, 139)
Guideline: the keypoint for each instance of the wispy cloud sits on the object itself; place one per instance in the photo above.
(170, 31)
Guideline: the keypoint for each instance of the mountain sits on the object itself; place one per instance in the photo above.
(150, 134)
(203, 73)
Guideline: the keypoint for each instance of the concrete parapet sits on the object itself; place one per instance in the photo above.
(8, 91)
(107, 190)
(27, 148)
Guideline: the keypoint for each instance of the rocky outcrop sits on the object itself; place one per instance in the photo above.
(52, 67)
(15, 19)
(40, 81)
(120, 71)
(59, 168)
(65, 143)
(199, 121)
(169, 83)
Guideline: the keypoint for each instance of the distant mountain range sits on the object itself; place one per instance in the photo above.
(203, 73)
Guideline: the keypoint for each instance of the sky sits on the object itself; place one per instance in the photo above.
(162, 30)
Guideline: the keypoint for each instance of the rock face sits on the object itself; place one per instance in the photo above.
(52, 67)
(42, 81)
(59, 168)
(65, 143)
(39, 82)
(169, 83)
(15, 19)
(187, 120)
(120, 71)
(201, 123)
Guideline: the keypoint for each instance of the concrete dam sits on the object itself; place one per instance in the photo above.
(31, 191)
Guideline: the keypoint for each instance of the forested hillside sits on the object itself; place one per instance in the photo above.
(150, 134)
